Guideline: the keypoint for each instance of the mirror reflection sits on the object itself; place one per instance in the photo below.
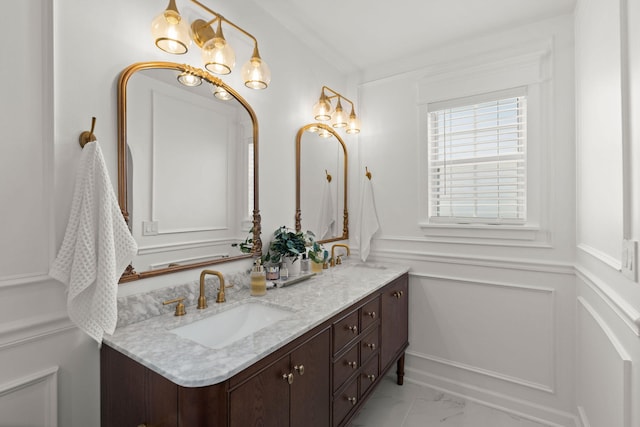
(186, 165)
(321, 183)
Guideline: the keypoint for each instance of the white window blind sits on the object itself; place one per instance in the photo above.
(477, 159)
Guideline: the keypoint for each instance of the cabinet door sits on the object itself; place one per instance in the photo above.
(395, 319)
(263, 400)
(311, 388)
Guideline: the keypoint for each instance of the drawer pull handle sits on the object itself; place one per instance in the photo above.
(353, 329)
(371, 314)
(353, 365)
(371, 377)
(142, 425)
(288, 378)
(398, 294)
(372, 345)
(353, 400)
(299, 369)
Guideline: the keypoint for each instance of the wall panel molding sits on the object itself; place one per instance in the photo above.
(484, 372)
(467, 260)
(31, 397)
(612, 359)
(625, 311)
(542, 331)
(33, 328)
(600, 256)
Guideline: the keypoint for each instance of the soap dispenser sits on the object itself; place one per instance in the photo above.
(258, 280)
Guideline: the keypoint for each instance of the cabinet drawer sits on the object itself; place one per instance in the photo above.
(369, 345)
(344, 402)
(369, 313)
(368, 375)
(344, 330)
(345, 366)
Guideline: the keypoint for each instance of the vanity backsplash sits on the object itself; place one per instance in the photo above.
(139, 307)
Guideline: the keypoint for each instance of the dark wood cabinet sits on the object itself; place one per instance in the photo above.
(320, 379)
(395, 326)
(293, 391)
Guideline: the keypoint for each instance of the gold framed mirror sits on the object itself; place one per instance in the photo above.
(187, 168)
(321, 183)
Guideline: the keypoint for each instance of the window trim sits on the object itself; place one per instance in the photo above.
(477, 76)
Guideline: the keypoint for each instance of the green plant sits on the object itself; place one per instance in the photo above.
(316, 251)
(287, 244)
(246, 247)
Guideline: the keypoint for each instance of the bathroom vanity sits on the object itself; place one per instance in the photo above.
(316, 367)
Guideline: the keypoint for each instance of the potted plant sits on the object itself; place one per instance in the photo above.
(286, 246)
(316, 252)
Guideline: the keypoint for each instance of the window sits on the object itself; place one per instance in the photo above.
(477, 159)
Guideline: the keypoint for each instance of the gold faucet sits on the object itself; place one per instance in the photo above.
(202, 300)
(333, 258)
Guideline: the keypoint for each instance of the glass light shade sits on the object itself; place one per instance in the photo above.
(339, 117)
(218, 56)
(221, 93)
(256, 73)
(171, 33)
(322, 109)
(353, 126)
(189, 79)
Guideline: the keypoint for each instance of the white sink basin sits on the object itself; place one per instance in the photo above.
(228, 326)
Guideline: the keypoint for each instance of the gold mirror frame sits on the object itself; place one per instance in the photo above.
(298, 218)
(130, 274)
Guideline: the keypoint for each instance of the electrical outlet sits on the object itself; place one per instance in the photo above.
(149, 228)
(630, 259)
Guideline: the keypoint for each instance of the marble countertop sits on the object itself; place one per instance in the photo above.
(312, 302)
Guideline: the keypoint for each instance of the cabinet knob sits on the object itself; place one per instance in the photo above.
(372, 345)
(299, 369)
(353, 329)
(371, 314)
(398, 294)
(353, 400)
(353, 365)
(288, 378)
(371, 377)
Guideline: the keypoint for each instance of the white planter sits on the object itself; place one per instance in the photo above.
(293, 267)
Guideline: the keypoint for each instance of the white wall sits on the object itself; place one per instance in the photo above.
(490, 318)
(608, 312)
(63, 70)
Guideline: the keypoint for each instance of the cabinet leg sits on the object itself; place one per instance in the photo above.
(400, 370)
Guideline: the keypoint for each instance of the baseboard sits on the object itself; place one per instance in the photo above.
(514, 406)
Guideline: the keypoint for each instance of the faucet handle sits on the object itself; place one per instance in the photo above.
(180, 310)
(339, 260)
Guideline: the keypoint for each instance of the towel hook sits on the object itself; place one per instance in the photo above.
(88, 136)
(367, 173)
(328, 175)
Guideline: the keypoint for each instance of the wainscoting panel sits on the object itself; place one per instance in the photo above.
(603, 372)
(478, 326)
(31, 401)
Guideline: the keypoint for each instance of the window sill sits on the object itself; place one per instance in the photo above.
(509, 235)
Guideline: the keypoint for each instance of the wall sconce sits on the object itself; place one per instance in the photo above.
(173, 34)
(323, 111)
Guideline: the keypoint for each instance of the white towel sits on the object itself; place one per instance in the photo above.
(327, 221)
(368, 223)
(96, 249)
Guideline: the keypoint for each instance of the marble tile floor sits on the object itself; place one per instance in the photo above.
(412, 405)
